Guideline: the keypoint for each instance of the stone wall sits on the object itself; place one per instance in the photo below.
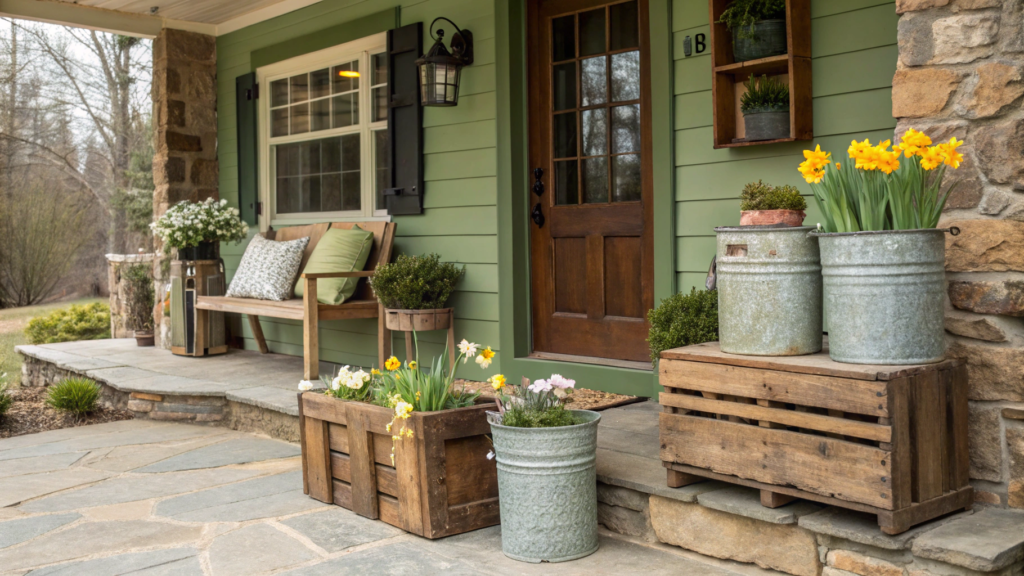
(185, 111)
(961, 73)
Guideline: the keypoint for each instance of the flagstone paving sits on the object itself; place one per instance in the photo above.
(168, 499)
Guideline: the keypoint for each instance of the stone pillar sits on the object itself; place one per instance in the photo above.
(118, 290)
(185, 132)
(961, 73)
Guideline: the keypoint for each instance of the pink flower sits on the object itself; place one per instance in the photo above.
(539, 386)
(557, 381)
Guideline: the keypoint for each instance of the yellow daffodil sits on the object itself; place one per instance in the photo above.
(913, 143)
(392, 364)
(950, 156)
(413, 364)
(417, 395)
(813, 166)
(931, 158)
(839, 166)
(402, 410)
(485, 357)
(375, 372)
(497, 381)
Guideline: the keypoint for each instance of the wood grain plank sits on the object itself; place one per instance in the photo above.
(342, 494)
(772, 499)
(958, 409)
(387, 479)
(899, 421)
(363, 470)
(323, 407)
(898, 521)
(318, 476)
(926, 419)
(409, 482)
(302, 444)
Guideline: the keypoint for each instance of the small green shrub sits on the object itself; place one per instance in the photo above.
(416, 282)
(519, 417)
(761, 196)
(741, 15)
(139, 291)
(75, 395)
(682, 320)
(88, 322)
(764, 94)
(5, 398)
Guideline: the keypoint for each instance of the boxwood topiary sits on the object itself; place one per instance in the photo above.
(416, 282)
(682, 320)
(77, 322)
(761, 196)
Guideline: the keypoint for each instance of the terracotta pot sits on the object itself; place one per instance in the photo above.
(144, 338)
(772, 217)
(418, 320)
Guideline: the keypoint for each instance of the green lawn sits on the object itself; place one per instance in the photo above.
(12, 332)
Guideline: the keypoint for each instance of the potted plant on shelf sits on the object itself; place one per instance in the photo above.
(196, 229)
(381, 443)
(140, 294)
(758, 28)
(414, 291)
(547, 478)
(882, 256)
(765, 108)
(765, 205)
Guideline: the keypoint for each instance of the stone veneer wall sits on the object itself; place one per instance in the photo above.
(185, 163)
(118, 291)
(960, 72)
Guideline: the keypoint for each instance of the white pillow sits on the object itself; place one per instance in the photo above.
(268, 269)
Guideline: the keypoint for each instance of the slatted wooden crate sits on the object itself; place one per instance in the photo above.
(441, 484)
(888, 440)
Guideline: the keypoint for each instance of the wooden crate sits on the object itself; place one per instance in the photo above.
(888, 440)
(441, 484)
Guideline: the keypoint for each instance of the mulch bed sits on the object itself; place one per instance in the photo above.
(581, 399)
(30, 414)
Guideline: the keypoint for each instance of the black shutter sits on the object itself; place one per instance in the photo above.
(405, 121)
(246, 93)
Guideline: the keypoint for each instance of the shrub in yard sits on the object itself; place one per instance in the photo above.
(75, 395)
(416, 282)
(5, 397)
(78, 322)
(682, 320)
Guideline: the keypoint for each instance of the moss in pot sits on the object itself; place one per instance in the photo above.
(766, 205)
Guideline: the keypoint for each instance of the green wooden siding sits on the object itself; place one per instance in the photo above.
(853, 48)
(460, 217)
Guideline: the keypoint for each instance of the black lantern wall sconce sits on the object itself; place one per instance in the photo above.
(441, 70)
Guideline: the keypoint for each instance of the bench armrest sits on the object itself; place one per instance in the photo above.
(360, 274)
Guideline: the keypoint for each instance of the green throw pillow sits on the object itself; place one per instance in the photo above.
(339, 250)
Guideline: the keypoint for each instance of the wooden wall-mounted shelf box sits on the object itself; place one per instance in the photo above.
(887, 440)
(728, 74)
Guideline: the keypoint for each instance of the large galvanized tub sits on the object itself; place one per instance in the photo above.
(884, 295)
(547, 489)
(769, 290)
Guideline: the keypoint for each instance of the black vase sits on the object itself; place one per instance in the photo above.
(204, 251)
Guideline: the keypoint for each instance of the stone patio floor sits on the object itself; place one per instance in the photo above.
(156, 498)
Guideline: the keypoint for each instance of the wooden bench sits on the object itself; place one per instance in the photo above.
(363, 303)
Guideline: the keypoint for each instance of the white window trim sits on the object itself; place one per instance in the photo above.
(355, 50)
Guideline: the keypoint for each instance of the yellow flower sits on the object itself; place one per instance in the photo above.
(417, 394)
(497, 381)
(839, 166)
(931, 158)
(413, 364)
(950, 156)
(375, 372)
(408, 432)
(813, 166)
(487, 353)
(402, 410)
(388, 427)
(392, 364)
(913, 143)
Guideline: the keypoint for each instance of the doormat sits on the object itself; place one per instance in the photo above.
(581, 399)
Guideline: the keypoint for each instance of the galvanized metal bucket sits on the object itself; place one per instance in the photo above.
(884, 295)
(547, 487)
(766, 125)
(768, 39)
(769, 290)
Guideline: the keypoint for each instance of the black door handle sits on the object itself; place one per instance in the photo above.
(538, 186)
(538, 216)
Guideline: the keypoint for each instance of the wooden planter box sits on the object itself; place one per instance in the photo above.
(418, 320)
(887, 440)
(442, 484)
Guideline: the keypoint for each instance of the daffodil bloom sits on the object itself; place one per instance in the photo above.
(913, 143)
(931, 158)
(392, 364)
(497, 381)
(413, 364)
(467, 349)
(417, 395)
(950, 156)
(374, 372)
(402, 410)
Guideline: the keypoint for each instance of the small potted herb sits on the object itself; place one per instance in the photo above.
(547, 476)
(196, 229)
(758, 28)
(140, 301)
(765, 107)
(766, 205)
(414, 291)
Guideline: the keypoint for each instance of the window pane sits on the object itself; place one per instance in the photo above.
(564, 82)
(381, 167)
(330, 192)
(380, 103)
(595, 132)
(300, 88)
(626, 76)
(279, 122)
(566, 183)
(321, 114)
(310, 201)
(592, 32)
(595, 180)
(330, 154)
(287, 160)
(350, 153)
(300, 118)
(625, 22)
(346, 77)
(563, 38)
(626, 171)
(565, 135)
(320, 83)
(351, 195)
(309, 157)
(626, 128)
(279, 92)
(346, 110)
(379, 62)
(287, 195)
(594, 80)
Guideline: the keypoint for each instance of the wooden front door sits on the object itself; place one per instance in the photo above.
(590, 160)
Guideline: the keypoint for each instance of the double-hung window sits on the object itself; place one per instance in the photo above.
(323, 134)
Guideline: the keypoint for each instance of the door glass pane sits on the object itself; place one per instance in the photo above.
(279, 122)
(563, 38)
(279, 92)
(592, 32)
(594, 80)
(300, 88)
(320, 111)
(319, 83)
(300, 118)
(626, 76)
(595, 180)
(380, 103)
(381, 167)
(626, 174)
(330, 192)
(346, 110)
(625, 21)
(565, 135)
(564, 83)
(345, 78)
(566, 183)
(626, 128)
(595, 132)
(379, 62)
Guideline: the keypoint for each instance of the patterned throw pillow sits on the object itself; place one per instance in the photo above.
(267, 270)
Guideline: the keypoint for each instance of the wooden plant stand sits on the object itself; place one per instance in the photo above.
(441, 483)
(887, 440)
(410, 321)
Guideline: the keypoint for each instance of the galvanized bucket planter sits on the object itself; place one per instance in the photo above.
(766, 124)
(547, 489)
(769, 39)
(884, 295)
(769, 290)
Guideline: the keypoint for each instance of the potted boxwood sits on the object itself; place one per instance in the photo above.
(196, 229)
(140, 294)
(883, 258)
(758, 28)
(765, 108)
(764, 205)
(547, 476)
(682, 320)
(414, 291)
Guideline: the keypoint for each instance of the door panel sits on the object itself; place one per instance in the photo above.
(591, 254)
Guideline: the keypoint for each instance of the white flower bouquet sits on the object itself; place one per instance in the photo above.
(187, 224)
